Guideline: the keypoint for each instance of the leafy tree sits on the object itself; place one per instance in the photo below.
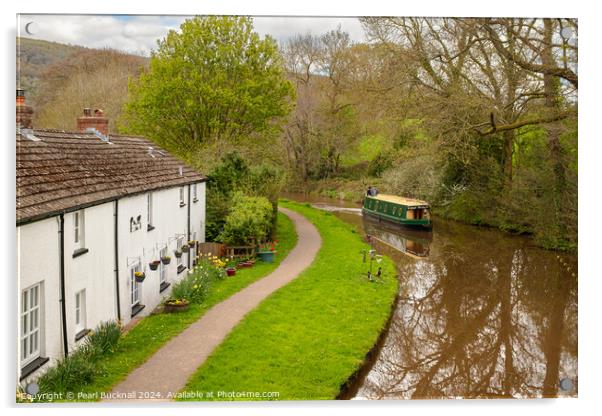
(233, 176)
(214, 80)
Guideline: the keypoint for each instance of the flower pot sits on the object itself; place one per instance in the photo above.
(154, 265)
(231, 271)
(178, 253)
(140, 277)
(185, 248)
(192, 243)
(175, 305)
(248, 264)
(266, 256)
(166, 260)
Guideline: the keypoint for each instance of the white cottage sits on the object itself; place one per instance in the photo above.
(92, 209)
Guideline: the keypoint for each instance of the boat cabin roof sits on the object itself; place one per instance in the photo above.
(399, 200)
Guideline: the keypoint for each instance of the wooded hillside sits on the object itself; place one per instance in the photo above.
(61, 80)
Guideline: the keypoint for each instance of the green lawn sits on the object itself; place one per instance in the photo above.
(155, 330)
(306, 339)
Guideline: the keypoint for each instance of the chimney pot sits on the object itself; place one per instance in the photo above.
(24, 112)
(97, 121)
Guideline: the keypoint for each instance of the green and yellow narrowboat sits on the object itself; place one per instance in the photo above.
(399, 210)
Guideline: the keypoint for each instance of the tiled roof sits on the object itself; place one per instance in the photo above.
(65, 170)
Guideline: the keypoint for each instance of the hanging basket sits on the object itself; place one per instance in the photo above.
(185, 248)
(178, 253)
(139, 276)
(165, 260)
(154, 265)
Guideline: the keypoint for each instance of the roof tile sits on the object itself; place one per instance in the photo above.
(65, 170)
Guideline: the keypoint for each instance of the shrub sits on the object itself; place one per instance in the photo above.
(249, 221)
(70, 374)
(78, 369)
(195, 287)
(232, 176)
(104, 338)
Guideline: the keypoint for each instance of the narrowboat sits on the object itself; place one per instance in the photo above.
(399, 210)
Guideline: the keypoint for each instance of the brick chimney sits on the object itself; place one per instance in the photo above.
(24, 111)
(97, 121)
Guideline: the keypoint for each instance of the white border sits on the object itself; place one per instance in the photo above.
(589, 178)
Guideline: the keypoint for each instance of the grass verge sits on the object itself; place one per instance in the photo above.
(135, 347)
(309, 337)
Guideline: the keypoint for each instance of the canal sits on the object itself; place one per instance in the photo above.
(480, 314)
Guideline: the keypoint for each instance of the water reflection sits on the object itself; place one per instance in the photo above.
(485, 315)
(413, 242)
(481, 314)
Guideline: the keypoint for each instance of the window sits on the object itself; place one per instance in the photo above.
(134, 286)
(179, 244)
(149, 211)
(79, 228)
(194, 193)
(80, 310)
(30, 324)
(182, 202)
(163, 268)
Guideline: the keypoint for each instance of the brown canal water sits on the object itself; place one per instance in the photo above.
(480, 314)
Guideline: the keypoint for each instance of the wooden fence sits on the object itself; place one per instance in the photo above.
(222, 250)
(215, 249)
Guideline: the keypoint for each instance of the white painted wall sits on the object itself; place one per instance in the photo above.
(38, 260)
(170, 222)
(92, 271)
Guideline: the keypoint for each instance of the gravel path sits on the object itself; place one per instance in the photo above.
(167, 371)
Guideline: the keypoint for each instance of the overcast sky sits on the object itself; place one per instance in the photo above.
(139, 34)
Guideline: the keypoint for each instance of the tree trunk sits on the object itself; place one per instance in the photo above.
(551, 91)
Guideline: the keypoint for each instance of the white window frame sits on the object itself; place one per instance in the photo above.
(135, 295)
(149, 209)
(163, 267)
(182, 200)
(179, 244)
(31, 323)
(79, 228)
(80, 310)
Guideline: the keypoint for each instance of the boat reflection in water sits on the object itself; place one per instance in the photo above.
(410, 241)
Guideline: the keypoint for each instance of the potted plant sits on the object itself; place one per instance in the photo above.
(175, 305)
(165, 260)
(154, 265)
(139, 276)
(178, 253)
(267, 251)
(231, 271)
(185, 248)
(192, 243)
